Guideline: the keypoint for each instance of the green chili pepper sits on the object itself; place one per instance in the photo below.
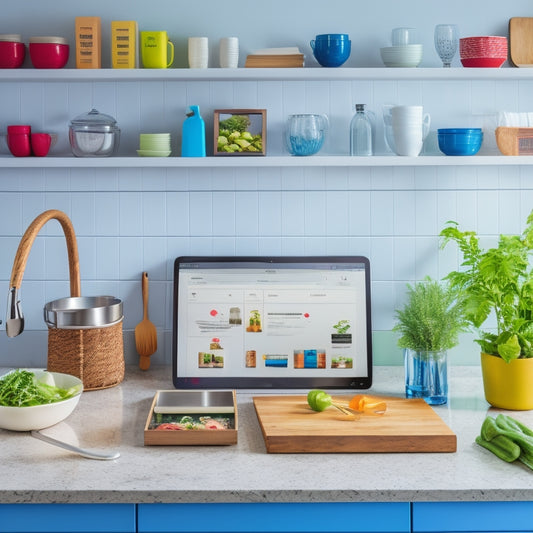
(508, 439)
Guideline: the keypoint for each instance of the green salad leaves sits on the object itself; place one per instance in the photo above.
(21, 388)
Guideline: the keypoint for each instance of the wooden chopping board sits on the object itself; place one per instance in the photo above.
(409, 425)
(521, 41)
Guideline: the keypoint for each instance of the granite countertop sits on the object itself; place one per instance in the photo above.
(114, 419)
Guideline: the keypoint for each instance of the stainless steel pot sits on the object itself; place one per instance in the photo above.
(83, 312)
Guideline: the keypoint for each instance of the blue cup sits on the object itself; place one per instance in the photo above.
(332, 37)
(331, 49)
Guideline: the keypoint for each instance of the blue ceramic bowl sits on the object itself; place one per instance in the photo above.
(331, 49)
(460, 141)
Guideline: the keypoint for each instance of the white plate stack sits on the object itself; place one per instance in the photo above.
(405, 51)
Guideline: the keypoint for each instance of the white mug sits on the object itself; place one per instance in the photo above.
(229, 52)
(198, 52)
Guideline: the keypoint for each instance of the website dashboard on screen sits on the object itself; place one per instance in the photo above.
(263, 320)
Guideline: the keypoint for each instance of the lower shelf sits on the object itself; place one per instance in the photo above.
(260, 162)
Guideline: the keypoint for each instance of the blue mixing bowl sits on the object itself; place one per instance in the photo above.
(331, 49)
(460, 141)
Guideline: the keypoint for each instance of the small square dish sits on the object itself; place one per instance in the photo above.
(192, 417)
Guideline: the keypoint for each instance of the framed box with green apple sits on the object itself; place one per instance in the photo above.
(239, 132)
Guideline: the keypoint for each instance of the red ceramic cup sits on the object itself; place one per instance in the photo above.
(40, 144)
(18, 140)
(12, 54)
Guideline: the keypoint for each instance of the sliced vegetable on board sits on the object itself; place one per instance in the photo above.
(319, 401)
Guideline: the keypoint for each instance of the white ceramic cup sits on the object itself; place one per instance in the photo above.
(403, 36)
(229, 52)
(198, 52)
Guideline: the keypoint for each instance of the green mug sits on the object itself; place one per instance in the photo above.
(156, 49)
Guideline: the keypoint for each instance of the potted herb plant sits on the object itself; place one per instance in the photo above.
(342, 337)
(497, 283)
(429, 325)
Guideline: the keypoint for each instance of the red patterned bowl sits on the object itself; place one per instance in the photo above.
(489, 51)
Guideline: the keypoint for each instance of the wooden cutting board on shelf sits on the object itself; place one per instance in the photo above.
(408, 425)
(521, 41)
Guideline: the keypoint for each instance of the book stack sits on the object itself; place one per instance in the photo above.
(288, 57)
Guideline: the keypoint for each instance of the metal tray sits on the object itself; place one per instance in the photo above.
(194, 402)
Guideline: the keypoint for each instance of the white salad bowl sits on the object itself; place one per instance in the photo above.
(37, 417)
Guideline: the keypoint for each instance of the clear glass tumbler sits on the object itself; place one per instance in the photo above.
(426, 376)
(446, 42)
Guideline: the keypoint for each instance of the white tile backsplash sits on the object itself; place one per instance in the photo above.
(131, 219)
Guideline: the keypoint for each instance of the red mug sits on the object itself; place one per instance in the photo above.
(18, 140)
(40, 144)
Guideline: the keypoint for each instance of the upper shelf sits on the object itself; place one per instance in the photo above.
(303, 74)
(259, 161)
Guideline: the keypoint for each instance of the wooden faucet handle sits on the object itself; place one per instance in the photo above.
(23, 251)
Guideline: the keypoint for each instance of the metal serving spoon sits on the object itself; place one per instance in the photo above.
(89, 454)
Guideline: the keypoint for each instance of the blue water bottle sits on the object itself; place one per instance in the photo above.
(193, 134)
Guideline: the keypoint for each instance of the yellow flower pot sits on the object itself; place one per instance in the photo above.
(508, 385)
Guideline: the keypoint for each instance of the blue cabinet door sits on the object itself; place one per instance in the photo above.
(274, 518)
(67, 518)
(472, 516)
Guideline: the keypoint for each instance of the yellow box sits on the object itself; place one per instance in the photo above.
(88, 42)
(124, 44)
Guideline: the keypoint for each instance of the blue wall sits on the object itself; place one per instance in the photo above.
(130, 220)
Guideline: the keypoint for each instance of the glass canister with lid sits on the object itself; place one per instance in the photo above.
(94, 134)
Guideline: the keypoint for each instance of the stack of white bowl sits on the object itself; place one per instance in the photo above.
(154, 145)
(405, 51)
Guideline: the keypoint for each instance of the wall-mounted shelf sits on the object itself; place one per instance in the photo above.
(260, 162)
(262, 74)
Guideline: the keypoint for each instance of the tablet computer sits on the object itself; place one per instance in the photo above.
(272, 322)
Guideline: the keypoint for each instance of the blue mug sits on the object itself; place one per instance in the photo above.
(331, 50)
(332, 37)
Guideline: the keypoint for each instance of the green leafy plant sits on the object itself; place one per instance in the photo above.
(497, 282)
(431, 319)
(238, 123)
(21, 388)
(342, 327)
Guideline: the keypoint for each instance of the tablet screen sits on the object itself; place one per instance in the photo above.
(272, 322)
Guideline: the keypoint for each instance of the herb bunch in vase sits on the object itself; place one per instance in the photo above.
(429, 325)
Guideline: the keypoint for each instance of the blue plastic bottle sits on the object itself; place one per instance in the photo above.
(193, 134)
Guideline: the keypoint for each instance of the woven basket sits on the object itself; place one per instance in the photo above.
(93, 354)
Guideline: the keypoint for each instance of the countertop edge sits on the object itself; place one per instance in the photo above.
(255, 496)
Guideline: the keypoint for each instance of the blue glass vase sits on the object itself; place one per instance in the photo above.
(426, 376)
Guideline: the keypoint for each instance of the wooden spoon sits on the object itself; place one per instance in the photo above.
(145, 332)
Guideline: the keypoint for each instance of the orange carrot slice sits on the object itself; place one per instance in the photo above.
(367, 404)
